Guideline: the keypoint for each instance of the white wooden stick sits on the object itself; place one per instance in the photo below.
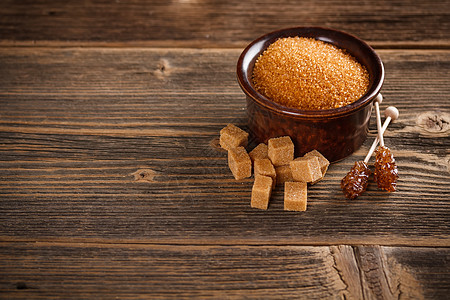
(391, 113)
(380, 133)
(375, 142)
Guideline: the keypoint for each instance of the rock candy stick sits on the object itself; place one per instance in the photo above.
(357, 179)
(386, 173)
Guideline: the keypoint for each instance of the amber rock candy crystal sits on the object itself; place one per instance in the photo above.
(386, 172)
(356, 180)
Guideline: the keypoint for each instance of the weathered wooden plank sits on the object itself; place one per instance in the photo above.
(411, 272)
(112, 184)
(50, 270)
(116, 93)
(397, 272)
(105, 93)
(166, 79)
(217, 23)
(59, 270)
(190, 202)
(77, 124)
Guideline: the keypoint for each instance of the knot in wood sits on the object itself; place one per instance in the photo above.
(145, 175)
(162, 69)
(215, 144)
(434, 122)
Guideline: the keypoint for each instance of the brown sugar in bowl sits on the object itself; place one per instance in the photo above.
(337, 132)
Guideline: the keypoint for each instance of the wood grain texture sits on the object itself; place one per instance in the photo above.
(168, 271)
(112, 184)
(86, 270)
(220, 23)
(77, 124)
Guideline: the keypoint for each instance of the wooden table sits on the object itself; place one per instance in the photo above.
(112, 183)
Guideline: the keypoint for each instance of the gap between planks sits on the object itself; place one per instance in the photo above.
(438, 45)
(198, 242)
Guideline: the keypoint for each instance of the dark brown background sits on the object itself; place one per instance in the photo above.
(112, 185)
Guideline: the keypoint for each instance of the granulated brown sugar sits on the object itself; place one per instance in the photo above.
(309, 74)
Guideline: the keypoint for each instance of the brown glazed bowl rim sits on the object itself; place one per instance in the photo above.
(352, 44)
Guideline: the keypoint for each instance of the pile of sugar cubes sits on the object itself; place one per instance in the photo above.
(273, 164)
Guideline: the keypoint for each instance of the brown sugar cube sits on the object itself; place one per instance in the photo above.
(323, 162)
(259, 152)
(232, 136)
(280, 150)
(295, 196)
(306, 169)
(264, 167)
(284, 174)
(239, 163)
(261, 192)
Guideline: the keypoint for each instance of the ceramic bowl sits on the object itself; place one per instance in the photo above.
(336, 133)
